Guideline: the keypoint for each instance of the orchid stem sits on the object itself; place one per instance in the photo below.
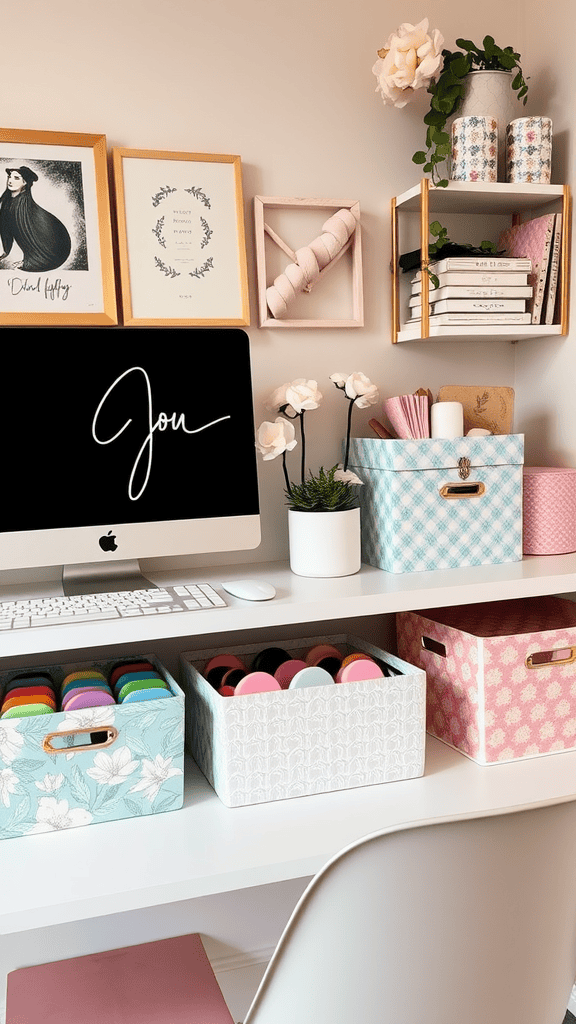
(348, 429)
(303, 439)
(286, 477)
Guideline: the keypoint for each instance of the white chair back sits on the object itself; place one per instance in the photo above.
(464, 920)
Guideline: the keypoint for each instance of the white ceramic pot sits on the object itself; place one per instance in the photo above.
(324, 544)
(490, 94)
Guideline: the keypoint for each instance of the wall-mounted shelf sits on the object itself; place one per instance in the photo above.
(477, 199)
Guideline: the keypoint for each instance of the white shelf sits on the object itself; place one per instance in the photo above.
(303, 600)
(206, 848)
(495, 332)
(425, 202)
(482, 197)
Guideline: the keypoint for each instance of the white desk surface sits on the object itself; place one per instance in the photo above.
(206, 848)
(303, 600)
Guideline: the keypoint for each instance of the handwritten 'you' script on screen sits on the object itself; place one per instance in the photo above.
(164, 421)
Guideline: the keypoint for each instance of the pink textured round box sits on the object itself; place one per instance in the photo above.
(549, 510)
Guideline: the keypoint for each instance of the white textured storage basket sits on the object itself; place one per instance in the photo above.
(289, 743)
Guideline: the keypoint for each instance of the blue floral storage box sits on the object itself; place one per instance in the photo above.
(432, 503)
(96, 764)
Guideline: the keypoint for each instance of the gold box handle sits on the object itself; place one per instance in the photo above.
(467, 490)
(544, 659)
(99, 738)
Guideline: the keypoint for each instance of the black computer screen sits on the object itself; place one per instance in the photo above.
(103, 425)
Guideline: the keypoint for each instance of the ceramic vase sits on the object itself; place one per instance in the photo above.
(324, 544)
(490, 94)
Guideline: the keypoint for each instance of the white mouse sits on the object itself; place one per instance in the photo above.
(250, 590)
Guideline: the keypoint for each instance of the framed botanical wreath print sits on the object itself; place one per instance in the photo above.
(56, 260)
(181, 238)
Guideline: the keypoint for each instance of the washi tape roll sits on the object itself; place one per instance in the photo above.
(94, 699)
(357, 671)
(312, 675)
(129, 666)
(139, 695)
(257, 682)
(287, 670)
(27, 711)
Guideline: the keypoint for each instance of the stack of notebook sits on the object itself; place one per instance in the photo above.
(475, 290)
(520, 286)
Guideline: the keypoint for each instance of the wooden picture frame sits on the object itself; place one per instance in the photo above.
(266, 234)
(182, 250)
(56, 259)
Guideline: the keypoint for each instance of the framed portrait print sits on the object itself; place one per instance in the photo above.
(56, 261)
(181, 238)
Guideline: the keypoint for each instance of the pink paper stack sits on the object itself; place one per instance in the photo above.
(409, 416)
(549, 508)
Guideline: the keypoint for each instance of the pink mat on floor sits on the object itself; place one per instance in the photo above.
(165, 982)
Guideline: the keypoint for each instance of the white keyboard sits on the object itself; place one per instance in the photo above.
(63, 611)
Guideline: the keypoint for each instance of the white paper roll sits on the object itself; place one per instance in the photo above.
(447, 419)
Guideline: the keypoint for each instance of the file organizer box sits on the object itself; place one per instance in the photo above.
(134, 763)
(271, 746)
(439, 504)
(501, 676)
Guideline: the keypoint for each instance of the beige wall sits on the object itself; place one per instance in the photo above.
(546, 370)
(290, 88)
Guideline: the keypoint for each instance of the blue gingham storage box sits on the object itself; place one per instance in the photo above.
(258, 747)
(408, 525)
(140, 772)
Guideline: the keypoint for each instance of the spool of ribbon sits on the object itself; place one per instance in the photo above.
(311, 260)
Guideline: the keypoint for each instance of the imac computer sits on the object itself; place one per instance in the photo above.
(121, 445)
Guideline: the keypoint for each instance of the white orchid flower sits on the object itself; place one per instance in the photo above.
(361, 390)
(273, 439)
(357, 387)
(300, 396)
(346, 476)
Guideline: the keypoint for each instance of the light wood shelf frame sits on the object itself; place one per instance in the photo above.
(262, 230)
(476, 198)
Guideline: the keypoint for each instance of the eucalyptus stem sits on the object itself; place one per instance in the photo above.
(348, 429)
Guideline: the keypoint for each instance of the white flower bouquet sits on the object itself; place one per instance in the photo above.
(414, 58)
(330, 491)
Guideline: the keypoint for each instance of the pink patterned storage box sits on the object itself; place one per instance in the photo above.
(549, 510)
(500, 676)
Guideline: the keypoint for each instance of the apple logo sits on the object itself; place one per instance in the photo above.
(108, 542)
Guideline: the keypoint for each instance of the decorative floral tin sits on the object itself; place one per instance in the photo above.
(474, 149)
(529, 150)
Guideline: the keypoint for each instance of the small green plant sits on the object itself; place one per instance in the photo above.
(321, 493)
(443, 247)
(447, 92)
